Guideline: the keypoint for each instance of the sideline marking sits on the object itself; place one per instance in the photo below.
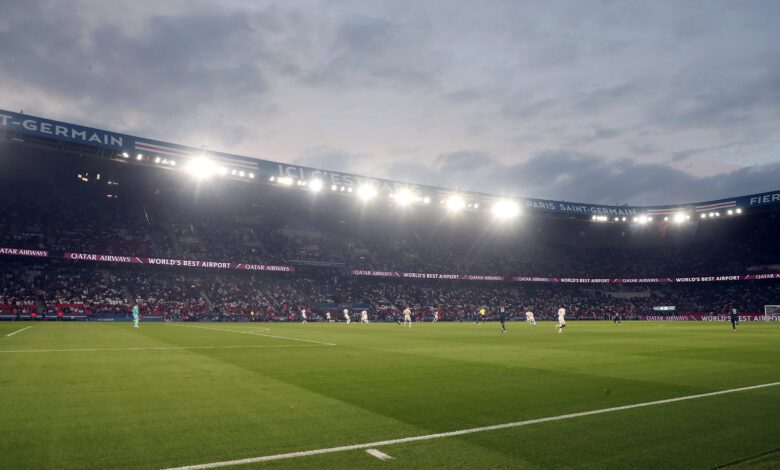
(158, 349)
(18, 331)
(378, 454)
(256, 334)
(427, 437)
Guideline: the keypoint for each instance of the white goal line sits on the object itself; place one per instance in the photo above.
(427, 437)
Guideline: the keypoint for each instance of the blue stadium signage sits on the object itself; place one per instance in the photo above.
(66, 132)
(59, 130)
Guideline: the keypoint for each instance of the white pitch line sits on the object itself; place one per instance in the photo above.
(461, 432)
(378, 454)
(159, 349)
(258, 334)
(19, 331)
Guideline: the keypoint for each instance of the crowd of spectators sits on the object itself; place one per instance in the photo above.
(179, 293)
(18, 289)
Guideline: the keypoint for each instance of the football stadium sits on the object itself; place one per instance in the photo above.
(170, 307)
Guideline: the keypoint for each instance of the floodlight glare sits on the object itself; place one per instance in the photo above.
(739, 211)
(200, 167)
(455, 203)
(366, 192)
(286, 180)
(125, 155)
(315, 185)
(679, 217)
(505, 209)
(426, 200)
(642, 219)
(222, 171)
(404, 197)
(139, 157)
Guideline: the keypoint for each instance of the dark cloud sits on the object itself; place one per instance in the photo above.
(587, 178)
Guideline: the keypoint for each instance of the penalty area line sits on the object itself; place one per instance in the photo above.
(257, 334)
(495, 427)
(19, 331)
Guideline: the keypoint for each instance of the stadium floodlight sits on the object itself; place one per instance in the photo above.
(505, 209)
(251, 176)
(642, 219)
(222, 171)
(173, 162)
(241, 174)
(125, 155)
(617, 219)
(285, 180)
(201, 167)
(738, 211)
(333, 187)
(624, 219)
(139, 157)
(454, 203)
(272, 179)
(426, 200)
(157, 160)
(367, 192)
(704, 216)
(680, 217)
(316, 185)
(404, 197)
(730, 212)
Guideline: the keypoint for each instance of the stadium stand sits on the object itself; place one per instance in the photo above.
(144, 212)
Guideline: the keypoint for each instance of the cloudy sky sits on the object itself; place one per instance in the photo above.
(595, 101)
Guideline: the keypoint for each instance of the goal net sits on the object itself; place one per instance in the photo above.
(771, 309)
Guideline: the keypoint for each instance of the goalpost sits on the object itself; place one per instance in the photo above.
(771, 309)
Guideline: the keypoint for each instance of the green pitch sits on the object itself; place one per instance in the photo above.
(109, 396)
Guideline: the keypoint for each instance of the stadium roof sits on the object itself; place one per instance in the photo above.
(109, 144)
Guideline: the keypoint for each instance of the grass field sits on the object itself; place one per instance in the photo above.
(75, 395)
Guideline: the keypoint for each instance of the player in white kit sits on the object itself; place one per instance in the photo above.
(529, 317)
(435, 316)
(363, 317)
(303, 315)
(407, 317)
(561, 319)
(327, 317)
(346, 316)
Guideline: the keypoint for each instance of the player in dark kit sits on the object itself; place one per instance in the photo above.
(502, 319)
(734, 319)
